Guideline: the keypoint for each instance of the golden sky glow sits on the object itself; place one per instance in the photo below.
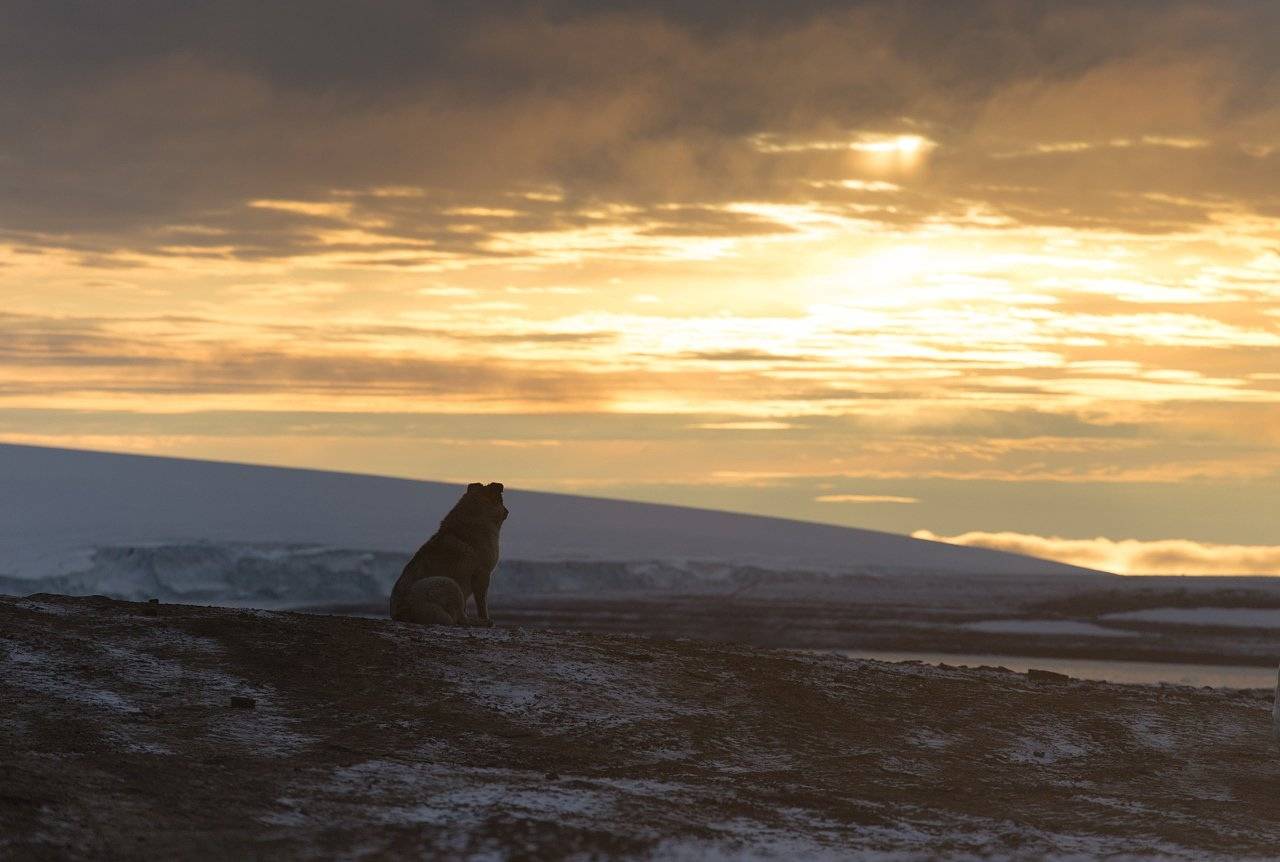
(839, 267)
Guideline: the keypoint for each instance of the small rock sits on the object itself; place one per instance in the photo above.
(239, 701)
(553, 776)
(153, 601)
(1036, 675)
(1039, 754)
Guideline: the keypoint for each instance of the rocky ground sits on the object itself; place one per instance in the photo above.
(1105, 618)
(848, 625)
(173, 731)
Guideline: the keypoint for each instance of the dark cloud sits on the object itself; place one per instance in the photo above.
(70, 355)
(127, 118)
(33, 341)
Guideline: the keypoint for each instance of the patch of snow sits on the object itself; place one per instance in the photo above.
(750, 842)
(929, 739)
(37, 672)
(45, 608)
(504, 697)
(1048, 745)
(667, 755)
(135, 671)
(565, 694)
(1147, 734)
(147, 748)
(554, 803)
(756, 761)
(808, 837)
(457, 796)
(1129, 806)
(643, 786)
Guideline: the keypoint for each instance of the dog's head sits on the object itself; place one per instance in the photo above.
(484, 501)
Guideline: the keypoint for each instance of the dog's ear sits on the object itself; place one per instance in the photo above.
(474, 486)
(496, 486)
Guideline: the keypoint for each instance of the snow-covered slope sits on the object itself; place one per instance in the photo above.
(57, 499)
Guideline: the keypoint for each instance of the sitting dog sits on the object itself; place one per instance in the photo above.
(454, 564)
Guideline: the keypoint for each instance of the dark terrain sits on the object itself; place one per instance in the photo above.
(912, 612)
(135, 730)
(861, 608)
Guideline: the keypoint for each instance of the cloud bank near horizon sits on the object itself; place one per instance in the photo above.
(1129, 556)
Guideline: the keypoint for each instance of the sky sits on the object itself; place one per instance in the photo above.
(999, 273)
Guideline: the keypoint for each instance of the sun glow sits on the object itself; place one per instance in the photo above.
(877, 152)
(906, 145)
(886, 154)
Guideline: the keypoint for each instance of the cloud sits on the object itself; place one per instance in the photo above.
(745, 425)
(1129, 556)
(864, 498)
(84, 360)
(832, 239)
(422, 116)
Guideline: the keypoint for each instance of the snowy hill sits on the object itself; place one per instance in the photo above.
(131, 526)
